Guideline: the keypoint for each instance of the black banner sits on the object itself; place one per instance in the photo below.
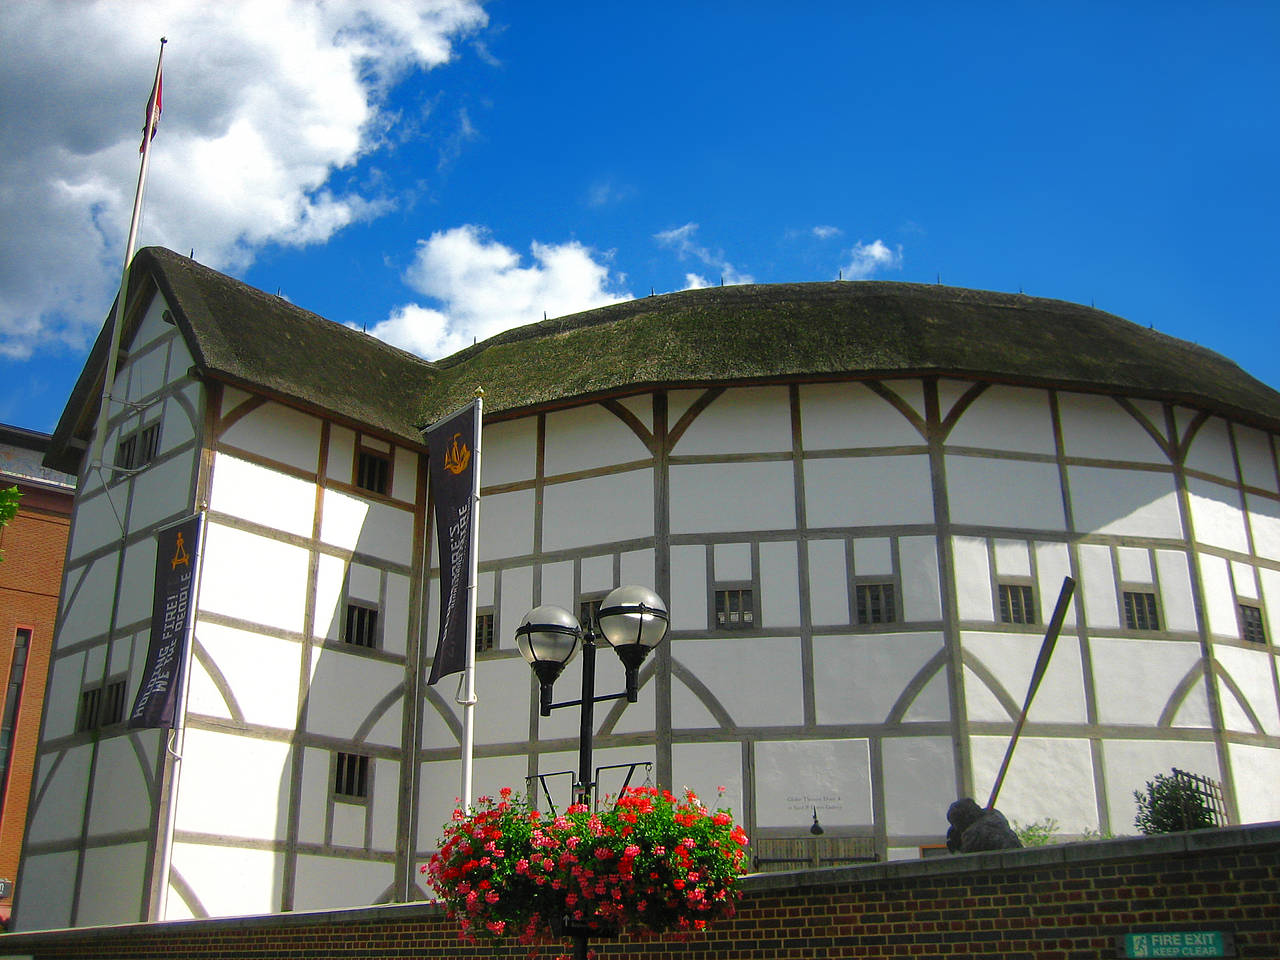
(452, 444)
(176, 551)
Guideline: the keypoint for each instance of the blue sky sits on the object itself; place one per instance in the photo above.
(434, 172)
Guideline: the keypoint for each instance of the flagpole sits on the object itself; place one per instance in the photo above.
(468, 692)
(108, 381)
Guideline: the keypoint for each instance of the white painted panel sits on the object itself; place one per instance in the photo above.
(1099, 427)
(146, 372)
(485, 584)
(120, 798)
(517, 600)
(557, 585)
(1124, 502)
(1257, 464)
(60, 807)
(1053, 565)
(872, 556)
(508, 451)
(1134, 564)
(1098, 587)
(46, 891)
(638, 717)
(348, 824)
(232, 398)
(315, 795)
(137, 584)
(1129, 764)
(1010, 659)
(344, 688)
(162, 491)
(1006, 418)
(364, 583)
(638, 567)
(919, 784)
(798, 779)
(1135, 680)
(921, 594)
(688, 601)
(280, 433)
(598, 510)
(689, 710)
(94, 524)
(1013, 558)
(912, 392)
(328, 883)
(491, 774)
(1219, 599)
(1256, 771)
(506, 525)
(331, 572)
(859, 679)
(387, 534)
(253, 578)
(395, 616)
(757, 679)
(1245, 579)
(1176, 600)
(779, 584)
(973, 578)
(222, 772)
(1216, 515)
(705, 768)
(504, 687)
(741, 420)
(828, 583)
(1251, 674)
(597, 574)
(562, 724)
(732, 561)
(404, 477)
(1039, 761)
(845, 416)
(230, 881)
(732, 497)
(342, 451)
(1005, 493)
(263, 496)
(1211, 450)
(177, 427)
(63, 696)
(1264, 522)
(261, 671)
(437, 797)
(868, 491)
(122, 650)
(585, 438)
(112, 884)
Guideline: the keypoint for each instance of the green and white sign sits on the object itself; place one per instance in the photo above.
(1178, 943)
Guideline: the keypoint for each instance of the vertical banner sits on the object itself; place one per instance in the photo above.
(452, 443)
(177, 549)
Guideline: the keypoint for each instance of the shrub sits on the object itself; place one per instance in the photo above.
(1170, 804)
(1037, 833)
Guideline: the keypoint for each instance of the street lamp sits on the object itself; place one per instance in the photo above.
(632, 619)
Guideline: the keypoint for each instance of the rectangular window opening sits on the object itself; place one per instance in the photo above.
(373, 471)
(484, 632)
(735, 608)
(112, 703)
(1017, 604)
(351, 778)
(87, 719)
(361, 626)
(1251, 623)
(148, 443)
(875, 603)
(1140, 610)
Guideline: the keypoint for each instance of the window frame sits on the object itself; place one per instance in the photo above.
(866, 583)
(1141, 590)
(341, 773)
(492, 637)
(363, 454)
(373, 629)
(740, 588)
(1029, 601)
(140, 447)
(1261, 623)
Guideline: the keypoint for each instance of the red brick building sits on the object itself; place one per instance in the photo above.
(34, 545)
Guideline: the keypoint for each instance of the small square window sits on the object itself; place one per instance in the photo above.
(484, 632)
(373, 471)
(874, 602)
(1251, 623)
(362, 626)
(735, 609)
(351, 776)
(1140, 610)
(87, 718)
(1017, 604)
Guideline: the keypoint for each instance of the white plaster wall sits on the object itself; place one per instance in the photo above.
(688, 602)
(314, 801)
(921, 596)
(387, 533)
(1098, 427)
(688, 709)
(45, 901)
(1017, 494)
(263, 496)
(596, 574)
(757, 679)
(327, 883)
(1219, 598)
(278, 433)
(1006, 418)
(137, 584)
(62, 699)
(331, 573)
(395, 616)
(919, 784)
(517, 600)
(503, 686)
(1211, 450)
(1135, 680)
(1011, 659)
(866, 491)
(1052, 565)
(1176, 601)
(846, 416)
(94, 524)
(404, 475)
(506, 526)
(342, 452)
(828, 583)
(1245, 580)
(973, 578)
(1264, 523)
(1257, 771)
(345, 687)
(1129, 764)
(1012, 558)
(1047, 778)
(859, 679)
(557, 585)
(597, 510)
(1251, 674)
(798, 777)
(1098, 593)
(719, 428)
(565, 724)
(731, 561)
(223, 772)
(732, 497)
(121, 800)
(779, 584)
(585, 438)
(872, 556)
(1134, 564)
(253, 578)
(230, 881)
(1257, 463)
(638, 566)
(112, 884)
(261, 671)
(1216, 515)
(438, 787)
(1130, 503)
(81, 614)
(58, 790)
(508, 451)
(385, 803)
(704, 768)
(177, 427)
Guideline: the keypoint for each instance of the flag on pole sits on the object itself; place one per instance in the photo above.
(152, 123)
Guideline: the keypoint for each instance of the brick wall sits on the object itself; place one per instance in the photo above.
(1066, 902)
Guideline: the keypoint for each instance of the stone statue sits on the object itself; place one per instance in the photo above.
(974, 829)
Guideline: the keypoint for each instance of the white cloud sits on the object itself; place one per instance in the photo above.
(483, 287)
(680, 239)
(263, 102)
(868, 258)
(825, 231)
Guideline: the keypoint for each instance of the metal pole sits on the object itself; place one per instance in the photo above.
(588, 717)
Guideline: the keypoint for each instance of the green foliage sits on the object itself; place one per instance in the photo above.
(1089, 834)
(8, 506)
(1170, 804)
(1037, 833)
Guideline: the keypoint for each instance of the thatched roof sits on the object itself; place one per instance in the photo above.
(742, 334)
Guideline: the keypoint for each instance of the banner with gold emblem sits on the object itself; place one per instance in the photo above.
(453, 449)
(177, 550)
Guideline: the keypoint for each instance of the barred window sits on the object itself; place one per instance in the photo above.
(874, 603)
(112, 703)
(589, 613)
(138, 448)
(87, 718)
(351, 776)
(1140, 610)
(1251, 623)
(1017, 604)
(373, 471)
(735, 609)
(484, 632)
(362, 625)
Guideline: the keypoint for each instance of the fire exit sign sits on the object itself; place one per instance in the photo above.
(1177, 943)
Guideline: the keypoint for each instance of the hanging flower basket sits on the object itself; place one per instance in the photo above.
(654, 863)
